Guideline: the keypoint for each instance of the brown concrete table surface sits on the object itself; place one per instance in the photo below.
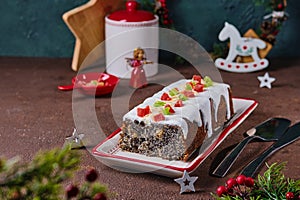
(35, 116)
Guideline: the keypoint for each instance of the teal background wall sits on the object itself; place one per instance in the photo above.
(35, 28)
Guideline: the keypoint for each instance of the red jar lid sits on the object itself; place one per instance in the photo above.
(131, 14)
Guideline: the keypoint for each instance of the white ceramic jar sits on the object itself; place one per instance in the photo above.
(126, 30)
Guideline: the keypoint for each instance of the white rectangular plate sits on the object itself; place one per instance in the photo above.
(109, 153)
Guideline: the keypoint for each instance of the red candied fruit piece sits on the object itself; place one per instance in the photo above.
(165, 97)
(159, 117)
(199, 87)
(188, 93)
(179, 103)
(142, 112)
(197, 78)
(171, 110)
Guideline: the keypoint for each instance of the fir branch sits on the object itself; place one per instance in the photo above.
(40, 178)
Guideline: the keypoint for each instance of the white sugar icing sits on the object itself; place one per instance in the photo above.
(189, 110)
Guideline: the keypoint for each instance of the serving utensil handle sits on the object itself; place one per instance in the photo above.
(222, 169)
(253, 166)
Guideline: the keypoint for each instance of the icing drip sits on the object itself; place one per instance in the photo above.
(191, 108)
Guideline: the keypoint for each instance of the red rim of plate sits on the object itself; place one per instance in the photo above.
(198, 160)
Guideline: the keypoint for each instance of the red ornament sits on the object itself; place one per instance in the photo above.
(221, 190)
(91, 175)
(290, 195)
(241, 179)
(71, 191)
(99, 196)
(231, 183)
(249, 182)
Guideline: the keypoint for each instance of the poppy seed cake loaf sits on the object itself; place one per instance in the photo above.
(174, 122)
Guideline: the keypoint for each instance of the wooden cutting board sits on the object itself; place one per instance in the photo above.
(87, 24)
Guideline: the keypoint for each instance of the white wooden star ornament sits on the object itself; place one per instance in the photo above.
(266, 80)
(75, 141)
(186, 182)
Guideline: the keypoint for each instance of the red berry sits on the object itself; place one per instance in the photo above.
(231, 183)
(72, 191)
(99, 196)
(241, 179)
(290, 195)
(221, 190)
(249, 182)
(91, 175)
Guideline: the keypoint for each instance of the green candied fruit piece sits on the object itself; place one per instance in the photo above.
(208, 81)
(193, 82)
(188, 86)
(166, 111)
(94, 82)
(182, 97)
(159, 104)
(173, 92)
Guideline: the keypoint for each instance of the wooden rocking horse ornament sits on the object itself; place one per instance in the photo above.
(241, 46)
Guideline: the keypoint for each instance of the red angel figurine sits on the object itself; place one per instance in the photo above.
(138, 77)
